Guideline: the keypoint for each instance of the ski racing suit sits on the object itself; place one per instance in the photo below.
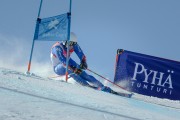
(58, 59)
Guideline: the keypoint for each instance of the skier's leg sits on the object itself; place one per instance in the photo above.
(78, 79)
(91, 79)
(59, 69)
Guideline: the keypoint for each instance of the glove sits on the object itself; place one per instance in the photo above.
(83, 65)
(78, 71)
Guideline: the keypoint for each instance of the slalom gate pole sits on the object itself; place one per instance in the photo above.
(67, 61)
(67, 57)
(108, 80)
(29, 64)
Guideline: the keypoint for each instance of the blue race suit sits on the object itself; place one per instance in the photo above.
(58, 58)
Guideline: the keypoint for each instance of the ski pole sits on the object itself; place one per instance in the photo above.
(107, 80)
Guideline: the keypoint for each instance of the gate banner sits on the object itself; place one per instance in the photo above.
(148, 75)
(52, 28)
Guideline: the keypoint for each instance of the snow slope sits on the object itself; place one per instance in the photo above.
(31, 97)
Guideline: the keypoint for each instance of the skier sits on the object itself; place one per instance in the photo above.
(76, 71)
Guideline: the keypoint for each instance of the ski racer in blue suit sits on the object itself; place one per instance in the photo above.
(76, 71)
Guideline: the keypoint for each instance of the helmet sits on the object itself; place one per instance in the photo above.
(73, 37)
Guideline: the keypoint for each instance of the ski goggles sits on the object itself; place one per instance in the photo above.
(71, 43)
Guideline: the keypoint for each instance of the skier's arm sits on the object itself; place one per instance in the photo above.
(82, 57)
(79, 52)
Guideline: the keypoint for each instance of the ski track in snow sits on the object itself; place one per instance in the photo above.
(34, 97)
(70, 104)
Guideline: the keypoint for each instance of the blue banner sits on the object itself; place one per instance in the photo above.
(148, 75)
(52, 28)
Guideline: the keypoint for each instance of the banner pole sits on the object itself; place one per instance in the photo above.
(70, 5)
(29, 64)
(40, 9)
(69, 25)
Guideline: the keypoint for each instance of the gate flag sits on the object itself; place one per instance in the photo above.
(52, 28)
(148, 75)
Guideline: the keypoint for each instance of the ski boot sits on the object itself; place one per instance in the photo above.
(107, 89)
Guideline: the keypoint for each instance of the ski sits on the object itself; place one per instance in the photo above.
(114, 92)
(122, 94)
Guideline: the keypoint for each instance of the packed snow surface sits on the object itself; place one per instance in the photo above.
(31, 97)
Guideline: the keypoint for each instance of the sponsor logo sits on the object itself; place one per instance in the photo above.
(153, 80)
(53, 24)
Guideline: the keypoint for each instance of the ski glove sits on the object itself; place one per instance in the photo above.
(78, 71)
(83, 65)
